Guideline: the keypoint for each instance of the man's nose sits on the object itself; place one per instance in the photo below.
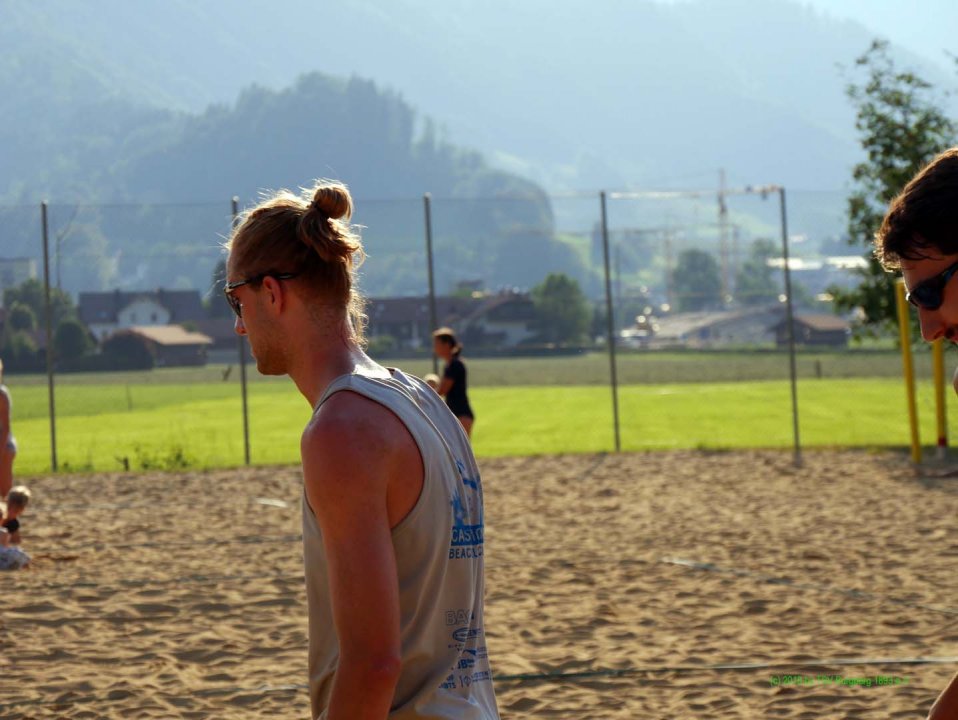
(238, 326)
(932, 325)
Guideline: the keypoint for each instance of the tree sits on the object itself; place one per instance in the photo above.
(30, 293)
(755, 282)
(696, 281)
(901, 128)
(561, 310)
(19, 353)
(21, 317)
(71, 341)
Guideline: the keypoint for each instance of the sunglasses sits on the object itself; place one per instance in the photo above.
(930, 294)
(234, 302)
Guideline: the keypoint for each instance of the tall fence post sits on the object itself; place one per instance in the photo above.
(49, 328)
(790, 324)
(241, 349)
(938, 367)
(610, 325)
(908, 369)
(433, 319)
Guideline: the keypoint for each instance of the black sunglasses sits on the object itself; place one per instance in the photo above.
(930, 294)
(230, 287)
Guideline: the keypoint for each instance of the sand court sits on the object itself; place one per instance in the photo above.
(652, 585)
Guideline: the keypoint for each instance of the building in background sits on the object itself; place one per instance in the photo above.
(104, 313)
(406, 319)
(496, 321)
(502, 321)
(816, 330)
(173, 346)
(725, 328)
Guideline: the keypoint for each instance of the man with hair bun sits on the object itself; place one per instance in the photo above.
(392, 505)
(919, 236)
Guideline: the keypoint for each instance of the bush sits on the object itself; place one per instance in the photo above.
(20, 354)
(71, 342)
(21, 317)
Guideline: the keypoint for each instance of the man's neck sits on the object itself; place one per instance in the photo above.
(319, 365)
(325, 359)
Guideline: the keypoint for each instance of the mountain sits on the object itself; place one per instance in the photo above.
(141, 120)
(618, 93)
(168, 185)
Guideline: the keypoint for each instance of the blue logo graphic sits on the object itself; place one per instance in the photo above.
(466, 633)
(466, 532)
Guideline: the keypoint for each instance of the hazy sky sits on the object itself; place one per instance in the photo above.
(926, 27)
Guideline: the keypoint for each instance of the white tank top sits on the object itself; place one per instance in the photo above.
(439, 559)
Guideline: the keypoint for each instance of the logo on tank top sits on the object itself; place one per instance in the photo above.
(467, 518)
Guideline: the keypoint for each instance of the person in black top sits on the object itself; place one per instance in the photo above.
(453, 384)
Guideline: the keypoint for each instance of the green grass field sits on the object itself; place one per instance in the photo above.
(176, 419)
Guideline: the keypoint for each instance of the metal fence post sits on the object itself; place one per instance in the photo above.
(610, 325)
(941, 413)
(433, 319)
(791, 329)
(241, 349)
(49, 329)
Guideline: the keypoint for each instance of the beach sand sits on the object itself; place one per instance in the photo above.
(181, 595)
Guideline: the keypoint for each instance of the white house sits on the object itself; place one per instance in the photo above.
(104, 313)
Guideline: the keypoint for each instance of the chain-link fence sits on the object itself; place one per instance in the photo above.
(591, 322)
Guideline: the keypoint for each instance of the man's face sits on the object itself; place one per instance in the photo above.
(943, 321)
(256, 324)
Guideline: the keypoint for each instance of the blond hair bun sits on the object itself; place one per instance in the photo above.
(325, 223)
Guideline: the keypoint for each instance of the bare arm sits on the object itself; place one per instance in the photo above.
(348, 459)
(4, 421)
(445, 385)
(6, 457)
(946, 706)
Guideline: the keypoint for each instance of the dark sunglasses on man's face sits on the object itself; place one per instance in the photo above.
(930, 294)
(234, 302)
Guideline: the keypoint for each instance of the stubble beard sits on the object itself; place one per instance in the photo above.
(270, 355)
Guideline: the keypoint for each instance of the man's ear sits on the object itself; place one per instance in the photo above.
(275, 297)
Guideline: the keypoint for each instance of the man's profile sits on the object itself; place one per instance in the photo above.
(393, 507)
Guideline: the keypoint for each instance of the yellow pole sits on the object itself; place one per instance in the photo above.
(908, 368)
(938, 362)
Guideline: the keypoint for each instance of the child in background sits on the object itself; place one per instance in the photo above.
(11, 556)
(17, 501)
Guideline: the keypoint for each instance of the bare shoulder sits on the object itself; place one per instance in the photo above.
(349, 422)
(354, 436)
